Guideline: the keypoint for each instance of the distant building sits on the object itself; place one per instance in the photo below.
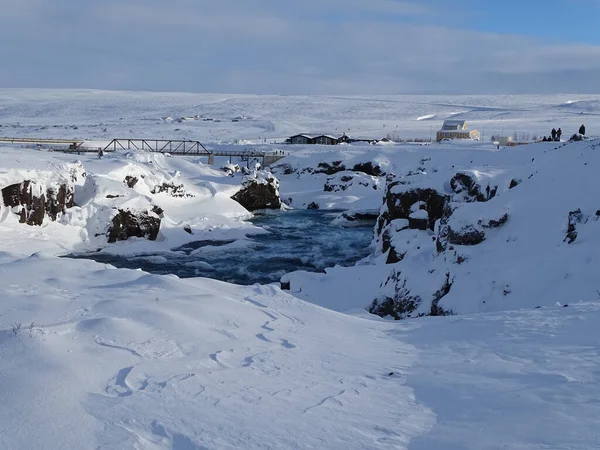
(456, 129)
(325, 139)
(301, 139)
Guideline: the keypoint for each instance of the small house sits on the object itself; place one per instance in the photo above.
(302, 139)
(326, 140)
(456, 129)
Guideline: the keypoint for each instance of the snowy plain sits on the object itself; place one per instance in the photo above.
(115, 358)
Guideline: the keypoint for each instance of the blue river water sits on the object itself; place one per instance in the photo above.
(297, 240)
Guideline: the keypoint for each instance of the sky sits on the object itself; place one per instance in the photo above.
(303, 46)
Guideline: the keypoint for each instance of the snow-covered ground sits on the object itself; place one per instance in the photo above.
(97, 357)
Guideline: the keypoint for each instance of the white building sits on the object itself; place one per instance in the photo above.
(456, 129)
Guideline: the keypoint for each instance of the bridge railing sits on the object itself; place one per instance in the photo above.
(180, 147)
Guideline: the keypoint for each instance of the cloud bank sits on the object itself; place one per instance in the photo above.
(280, 47)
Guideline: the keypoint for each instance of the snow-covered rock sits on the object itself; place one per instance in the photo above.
(346, 180)
(260, 190)
(34, 200)
(127, 223)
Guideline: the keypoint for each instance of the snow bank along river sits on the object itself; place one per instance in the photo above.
(296, 240)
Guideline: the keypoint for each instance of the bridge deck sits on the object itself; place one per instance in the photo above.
(171, 146)
(21, 140)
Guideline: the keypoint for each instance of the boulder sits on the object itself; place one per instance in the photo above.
(32, 201)
(467, 235)
(259, 191)
(349, 219)
(514, 183)
(127, 223)
(313, 205)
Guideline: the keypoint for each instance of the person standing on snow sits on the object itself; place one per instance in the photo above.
(582, 130)
(558, 134)
(553, 133)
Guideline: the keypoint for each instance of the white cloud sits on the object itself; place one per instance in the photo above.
(270, 46)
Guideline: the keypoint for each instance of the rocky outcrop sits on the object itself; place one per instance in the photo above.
(399, 204)
(469, 234)
(403, 303)
(127, 223)
(260, 191)
(345, 180)
(313, 205)
(466, 183)
(172, 190)
(514, 183)
(330, 169)
(575, 217)
(130, 181)
(33, 201)
(231, 169)
(349, 219)
(369, 169)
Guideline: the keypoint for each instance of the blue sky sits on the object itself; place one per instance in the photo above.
(303, 47)
(558, 20)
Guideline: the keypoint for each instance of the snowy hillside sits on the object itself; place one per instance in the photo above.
(104, 115)
(501, 245)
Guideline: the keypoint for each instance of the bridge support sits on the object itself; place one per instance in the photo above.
(211, 159)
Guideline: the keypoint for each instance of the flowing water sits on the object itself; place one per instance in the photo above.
(297, 240)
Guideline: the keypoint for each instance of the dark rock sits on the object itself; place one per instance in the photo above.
(575, 217)
(158, 211)
(330, 169)
(285, 285)
(35, 204)
(497, 223)
(126, 224)
(187, 229)
(393, 256)
(130, 181)
(514, 183)
(58, 201)
(313, 205)
(287, 169)
(254, 195)
(369, 169)
(403, 304)
(341, 182)
(174, 190)
(468, 235)
(352, 216)
(399, 205)
(437, 310)
(463, 182)
(113, 196)
(576, 137)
